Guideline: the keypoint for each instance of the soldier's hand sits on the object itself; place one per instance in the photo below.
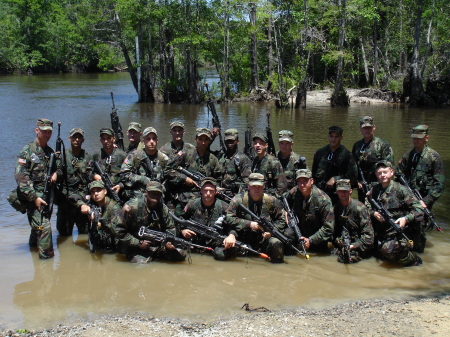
(401, 221)
(97, 177)
(424, 205)
(254, 226)
(54, 178)
(360, 186)
(267, 235)
(190, 183)
(378, 216)
(144, 244)
(116, 188)
(330, 183)
(85, 209)
(187, 233)
(38, 202)
(229, 241)
(306, 242)
(170, 246)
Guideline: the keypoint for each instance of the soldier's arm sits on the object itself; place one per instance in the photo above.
(22, 175)
(245, 166)
(121, 221)
(352, 172)
(325, 213)
(436, 185)
(388, 153)
(366, 239)
(278, 215)
(169, 223)
(280, 177)
(129, 177)
(235, 222)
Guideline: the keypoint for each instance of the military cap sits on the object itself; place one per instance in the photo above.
(44, 124)
(261, 136)
(231, 134)
(343, 185)
(365, 121)
(176, 123)
(303, 173)
(135, 126)
(285, 135)
(383, 163)
(256, 179)
(336, 129)
(96, 183)
(148, 131)
(419, 131)
(74, 131)
(208, 180)
(203, 131)
(154, 186)
(108, 131)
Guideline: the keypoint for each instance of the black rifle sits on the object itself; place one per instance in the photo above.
(294, 223)
(163, 237)
(270, 143)
(196, 176)
(215, 120)
(345, 251)
(248, 148)
(48, 195)
(270, 227)
(115, 125)
(61, 156)
(93, 236)
(108, 183)
(364, 183)
(212, 233)
(388, 217)
(148, 166)
(418, 196)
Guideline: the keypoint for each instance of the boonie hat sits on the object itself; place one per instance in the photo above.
(336, 129)
(261, 136)
(285, 135)
(384, 163)
(231, 134)
(148, 131)
(176, 123)
(343, 185)
(303, 173)
(203, 131)
(154, 186)
(256, 179)
(74, 131)
(135, 126)
(96, 183)
(44, 124)
(419, 131)
(208, 180)
(365, 121)
(107, 131)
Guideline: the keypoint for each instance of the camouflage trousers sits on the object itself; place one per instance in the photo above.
(397, 251)
(136, 255)
(272, 247)
(67, 217)
(41, 233)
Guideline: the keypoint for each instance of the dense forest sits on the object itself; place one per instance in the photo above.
(260, 48)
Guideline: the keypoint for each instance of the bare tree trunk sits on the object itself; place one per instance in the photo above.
(270, 45)
(254, 82)
(366, 68)
(226, 55)
(300, 99)
(375, 56)
(428, 42)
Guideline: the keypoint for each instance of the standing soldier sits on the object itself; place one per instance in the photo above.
(134, 134)
(78, 173)
(314, 210)
(177, 144)
(367, 152)
(289, 160)
(352, 219)
(31, 170)
(268, 166)
(333, 162)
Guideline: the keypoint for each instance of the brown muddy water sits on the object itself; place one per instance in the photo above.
(76, 284)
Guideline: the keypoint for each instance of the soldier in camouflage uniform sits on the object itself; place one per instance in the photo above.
(314, 210)
(407, 213)
(149, 211)
(142, 166)
(289, 160)
(268, 166)
(354, 216)
(246, 229)
(423, 167)
(209, 211)
(172, 148)
(333, 162)
(78, 173)
(236, 166)
(134, 134)
(368, 151)
(31, 170)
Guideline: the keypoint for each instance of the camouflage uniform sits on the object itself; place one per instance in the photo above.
(271, 169)
(171, 151)
(111, 164)
(291, 164)
(235, 172)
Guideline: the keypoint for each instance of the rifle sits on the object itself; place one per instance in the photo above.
(418, 196)
(365, 184)
(196, 176)
(270, 143)
(215, 120)
(108, 183)
(93, 235)
(212, 233)
(60, 145)
(148, 166)
(389, 218)
(345, 252)
(248, 148)
(115, 125)
(293, 223)
(270, 227)
(48, 194)
(163, 237)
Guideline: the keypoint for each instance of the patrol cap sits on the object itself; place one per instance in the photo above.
(96, 183)
(343, 185)
(208, 180)
(135, 126)
(44, 124)
(383, 163)
(261, 136)
(231, 134)
(419, 131)
(336, 129)
(74, 131)
(285, 135)
(176, 123)
(107, 131)
(365, 121)
(256, 179)
(154, 186)
(148, 131)
(303, 173)
(203, 131)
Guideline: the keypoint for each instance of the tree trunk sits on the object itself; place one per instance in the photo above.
(366, 68)
(428, 42)
(270, 46)
(254, 81)
(226, 55)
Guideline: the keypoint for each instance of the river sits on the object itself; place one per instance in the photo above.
(76, 285)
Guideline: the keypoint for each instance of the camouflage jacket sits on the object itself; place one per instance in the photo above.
(355, 217)
(108, 212)
(195, 210)
(79, 172)
(271, 169)
(315, 214)
(136, 213)
(111, 165)
(31, 170)
(235, 171)
(426, 175)
(170, 150)
(367, 155)
(339, 164)
(291, 164)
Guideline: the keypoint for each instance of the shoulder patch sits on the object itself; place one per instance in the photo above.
(21, 161)
(126, 208)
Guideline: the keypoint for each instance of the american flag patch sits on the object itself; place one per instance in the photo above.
(180, 153)
(22, 161)
(126, 161)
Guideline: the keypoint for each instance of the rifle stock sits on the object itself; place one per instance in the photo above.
(294, 223)
(108, 183)
(215, 120)
(115, 125)
(270, 143)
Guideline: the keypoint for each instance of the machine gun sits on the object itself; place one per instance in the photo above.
(61, 156)
(345, 251)
(248, 148)
(293, 223)
(212, 233)
(115, 125)
(418, 196)
(388, 217)
(164, 237)
(215, 120)
(270, 143)
(48, 194)
(108, 183)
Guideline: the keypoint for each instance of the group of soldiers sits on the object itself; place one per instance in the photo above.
(158, 203)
